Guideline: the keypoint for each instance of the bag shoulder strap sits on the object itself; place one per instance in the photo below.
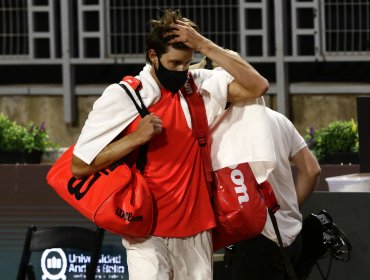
(288, 264)
(199, 123)
(135, 84)
(267, 193)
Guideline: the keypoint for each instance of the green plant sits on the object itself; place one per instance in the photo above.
(337, 137)
(14, 137)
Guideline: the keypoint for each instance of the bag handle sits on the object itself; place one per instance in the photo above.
(136, 85)
(199, 123)
(141, 159)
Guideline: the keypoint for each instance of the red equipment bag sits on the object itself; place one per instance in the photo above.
(240, 205)
(116, 199)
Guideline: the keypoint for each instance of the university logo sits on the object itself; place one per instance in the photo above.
(54, 264)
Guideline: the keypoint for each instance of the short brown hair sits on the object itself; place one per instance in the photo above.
(161, 25)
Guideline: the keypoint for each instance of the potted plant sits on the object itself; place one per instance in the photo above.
(22, 144)
(335, 143)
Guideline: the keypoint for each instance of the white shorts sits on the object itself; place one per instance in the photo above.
(161, 258)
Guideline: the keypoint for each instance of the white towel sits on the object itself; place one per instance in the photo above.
(242, 134)
(114, 110)
(111, 114)
(239, 135)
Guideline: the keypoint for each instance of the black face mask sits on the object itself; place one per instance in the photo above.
(170, 80)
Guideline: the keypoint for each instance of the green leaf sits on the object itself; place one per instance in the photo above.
(337, 137)
(23, 138)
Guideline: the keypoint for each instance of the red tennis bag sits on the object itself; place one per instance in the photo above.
(240, 205)
(116, 199)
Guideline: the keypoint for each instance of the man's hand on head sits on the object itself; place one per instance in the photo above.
(186, 34)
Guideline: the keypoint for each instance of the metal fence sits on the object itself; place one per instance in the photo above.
(72, 32)
(128, 23)
(102, 31)
(346, 27)
(14, 32)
